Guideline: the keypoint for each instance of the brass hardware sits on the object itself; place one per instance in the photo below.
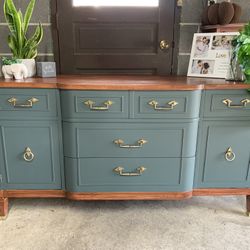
(28, 104)
(171, 104)
(121, 144)
(90, 104)
(139, 171)
(230, 155)
(164, 45)
(229, 104)
(28, 155)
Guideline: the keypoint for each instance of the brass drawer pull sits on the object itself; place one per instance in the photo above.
(28, 155)
(121, 144)
(230, 155)
(171, 104)
(229, 104)
(90, 104)
(28, 104)
(138, 172)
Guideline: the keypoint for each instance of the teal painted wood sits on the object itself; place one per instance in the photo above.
(73, 104)
(46, 107)
(161, 175)
(212, 168)
(42, 138)
(214, 106)
(97, 139)
(188, 104)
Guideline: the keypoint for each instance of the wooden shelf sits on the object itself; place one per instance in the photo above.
(233, 27)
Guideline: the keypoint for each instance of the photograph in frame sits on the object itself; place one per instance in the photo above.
(211, 54)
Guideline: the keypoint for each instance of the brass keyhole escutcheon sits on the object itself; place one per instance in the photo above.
(164, 45)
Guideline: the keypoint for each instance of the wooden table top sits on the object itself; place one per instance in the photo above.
(115, 82)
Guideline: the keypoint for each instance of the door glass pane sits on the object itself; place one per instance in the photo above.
(123, 3)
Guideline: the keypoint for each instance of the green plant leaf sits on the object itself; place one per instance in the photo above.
(28, 15)
(12, 45)
(33, 42)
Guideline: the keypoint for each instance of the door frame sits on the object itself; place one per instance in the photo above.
(55, 36)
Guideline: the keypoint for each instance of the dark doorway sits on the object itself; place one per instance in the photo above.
(115, 40)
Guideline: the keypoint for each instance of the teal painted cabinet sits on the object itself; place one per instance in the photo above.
(141, 142)
(223, 151)
(30, 140)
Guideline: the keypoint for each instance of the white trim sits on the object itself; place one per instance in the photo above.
(190, 24)
(31, 24)
(39, 54)
(184, 54)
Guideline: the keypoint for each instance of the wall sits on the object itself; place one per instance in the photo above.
(189, 24)
(41, 14)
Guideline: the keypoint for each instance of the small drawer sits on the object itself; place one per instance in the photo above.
(224, 155)
(130, 140)
(31, 155)
(94, 104)
(227, 103)
(167, 104)
(129, 175)
(29, 103)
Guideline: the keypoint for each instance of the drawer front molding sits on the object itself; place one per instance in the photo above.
(28, 104)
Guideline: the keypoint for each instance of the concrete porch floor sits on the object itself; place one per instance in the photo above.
(199, 223)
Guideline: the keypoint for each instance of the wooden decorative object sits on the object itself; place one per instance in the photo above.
(213, 16)
(237, 13)
(225, 13)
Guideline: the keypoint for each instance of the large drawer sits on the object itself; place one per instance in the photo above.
(224, 155)
(30, 155)
(154, 175)
(130, 140)
(94, 104)
(227, 103)
(167, 104)
(29, 103)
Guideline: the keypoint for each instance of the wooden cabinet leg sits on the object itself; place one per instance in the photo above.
(4, 207)
(248, 204)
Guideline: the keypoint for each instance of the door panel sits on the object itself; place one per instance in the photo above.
(115, 39)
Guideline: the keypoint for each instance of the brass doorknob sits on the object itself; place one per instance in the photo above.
(164, 45)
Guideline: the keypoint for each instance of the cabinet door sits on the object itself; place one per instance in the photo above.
(224, 154)
(30, 155)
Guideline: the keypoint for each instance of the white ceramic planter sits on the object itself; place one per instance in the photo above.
(18, 71)
(31, 66)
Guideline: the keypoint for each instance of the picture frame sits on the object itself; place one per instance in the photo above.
(211, 54)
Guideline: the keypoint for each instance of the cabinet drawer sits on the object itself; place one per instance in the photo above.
(225, 155)
(31, 155)
(94, 104)
(99, 175)
(227, 103)
(167, 104)
(123, 140)
(28, 103)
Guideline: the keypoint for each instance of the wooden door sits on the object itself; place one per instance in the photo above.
(115, 39)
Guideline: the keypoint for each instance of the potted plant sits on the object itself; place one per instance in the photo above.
(14, 68)
(20, 46)
(241, 51)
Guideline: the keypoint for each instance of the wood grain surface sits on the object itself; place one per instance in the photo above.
(114, 82)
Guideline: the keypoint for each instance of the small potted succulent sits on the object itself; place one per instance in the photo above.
(241, 51)
(21, 46)
(14, 68)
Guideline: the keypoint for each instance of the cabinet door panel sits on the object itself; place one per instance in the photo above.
(217, 168)
(31, 155)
